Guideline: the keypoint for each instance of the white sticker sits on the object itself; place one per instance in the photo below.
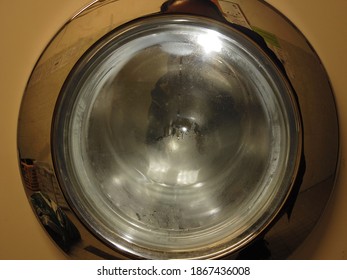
(233, 13)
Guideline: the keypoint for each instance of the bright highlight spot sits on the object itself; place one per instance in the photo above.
(210, 41)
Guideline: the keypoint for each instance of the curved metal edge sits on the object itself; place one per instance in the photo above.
(338, 136)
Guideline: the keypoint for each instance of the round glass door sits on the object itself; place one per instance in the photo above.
(176, 137)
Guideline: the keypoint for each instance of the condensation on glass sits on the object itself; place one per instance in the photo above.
(177, 136)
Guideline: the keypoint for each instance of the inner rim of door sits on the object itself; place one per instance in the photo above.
(197, 148)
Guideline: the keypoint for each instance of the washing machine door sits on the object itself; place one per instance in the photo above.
(177, 134)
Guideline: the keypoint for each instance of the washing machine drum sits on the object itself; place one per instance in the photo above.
(171, 136)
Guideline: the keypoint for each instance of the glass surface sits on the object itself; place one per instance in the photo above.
(176, 136)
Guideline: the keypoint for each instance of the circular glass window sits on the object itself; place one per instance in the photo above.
(176, 137)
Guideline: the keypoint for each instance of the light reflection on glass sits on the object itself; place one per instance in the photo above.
(187, 177)
(210, 41)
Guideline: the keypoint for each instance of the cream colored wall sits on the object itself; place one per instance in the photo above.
(27, 26)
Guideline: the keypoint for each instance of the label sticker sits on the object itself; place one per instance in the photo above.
(233, 13)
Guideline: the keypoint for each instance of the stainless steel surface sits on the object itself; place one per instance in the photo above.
(317, 175)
